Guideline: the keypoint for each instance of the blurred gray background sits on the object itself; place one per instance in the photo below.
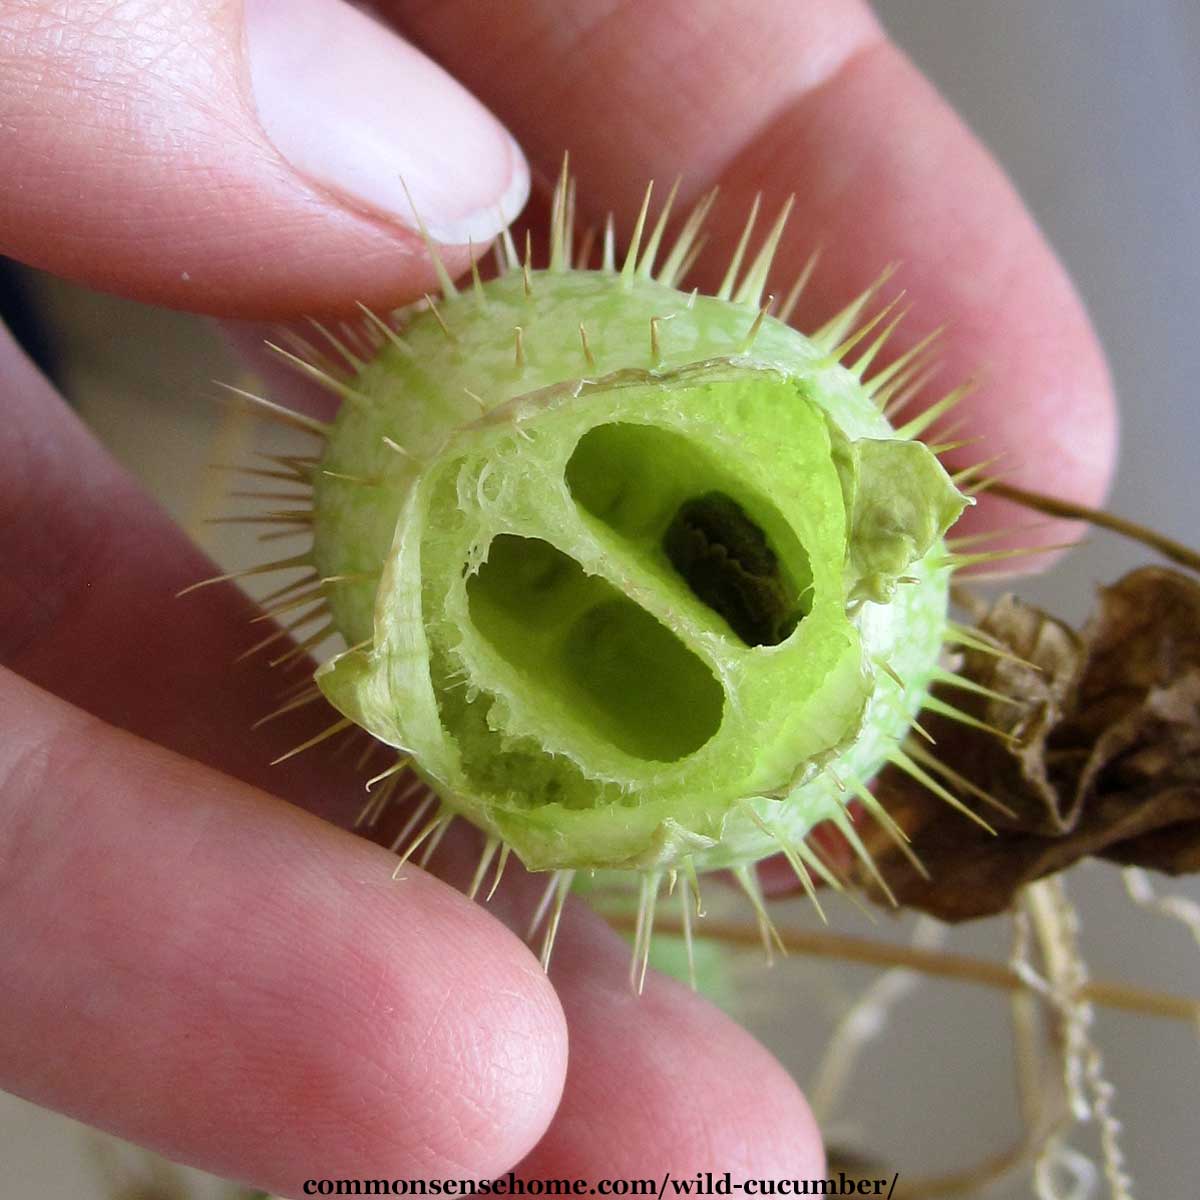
(1094, 108)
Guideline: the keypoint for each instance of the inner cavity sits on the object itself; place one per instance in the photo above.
(589, 653)
(695, 522)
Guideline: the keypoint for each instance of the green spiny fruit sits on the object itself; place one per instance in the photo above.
(635, 579)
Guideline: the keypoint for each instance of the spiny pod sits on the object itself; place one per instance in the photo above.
(635, 579)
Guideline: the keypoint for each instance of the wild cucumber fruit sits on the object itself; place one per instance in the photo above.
(637, 579)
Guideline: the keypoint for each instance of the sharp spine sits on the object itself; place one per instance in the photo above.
(443, 276)
(748, 880)
(387, 331)
(305, 698)
(887, 822)
(839, 352)
(797, 288)
(486, 855)
(608, 262)
(588, 357)
(331, 731)
(562, 887)
(644, 930)
(960, 781)
(437, 316)
(751, 288)
(953, 713)
(756, 325)
(635, 243)
(501, 863)
(838, 326)
(476, 282)
(676, 265)
(725, 290)
(282, 564)
(906, 360)
(559, 236)
(863, 363)
(329, 382)
(846, 828)
(655, 340)
(355, 363)
(949, 401)
(277, 412)
(645, 268)
(899, 758)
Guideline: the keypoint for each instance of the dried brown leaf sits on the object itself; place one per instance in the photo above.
(1104, 756)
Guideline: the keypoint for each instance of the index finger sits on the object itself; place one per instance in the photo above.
(812, 98)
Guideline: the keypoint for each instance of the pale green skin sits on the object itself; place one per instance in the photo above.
(471, 665)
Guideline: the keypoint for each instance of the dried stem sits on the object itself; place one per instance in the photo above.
(935, 963)
(1052, 506)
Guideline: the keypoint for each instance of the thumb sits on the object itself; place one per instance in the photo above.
(241, 159)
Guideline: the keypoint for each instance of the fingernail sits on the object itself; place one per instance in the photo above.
(356, 110)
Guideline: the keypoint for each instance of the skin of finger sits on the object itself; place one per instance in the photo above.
(88, 610)
(91, 612)
(813, 99)
(205, 970)
(134, 163)
(657, 1081)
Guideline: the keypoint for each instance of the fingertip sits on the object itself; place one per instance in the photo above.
(223, 977)
(434, 1043)
(260, 168)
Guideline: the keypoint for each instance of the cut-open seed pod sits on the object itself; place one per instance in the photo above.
(637, 579)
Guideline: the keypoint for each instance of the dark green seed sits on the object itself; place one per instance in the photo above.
(726, 561)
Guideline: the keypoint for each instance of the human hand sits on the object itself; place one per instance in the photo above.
(212, 972)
